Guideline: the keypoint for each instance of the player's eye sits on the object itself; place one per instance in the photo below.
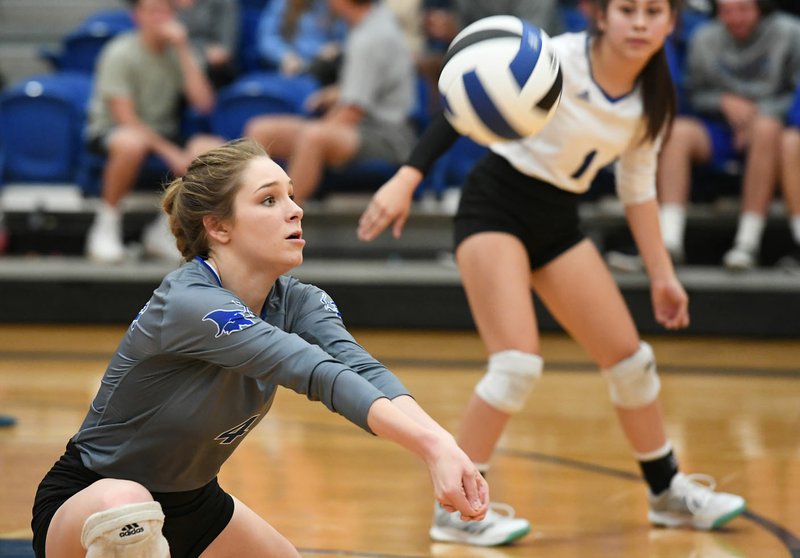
(268, 201)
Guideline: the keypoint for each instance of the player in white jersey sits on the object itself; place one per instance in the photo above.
(198, 369)
(517, 229)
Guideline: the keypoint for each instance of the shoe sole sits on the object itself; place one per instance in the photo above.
(728, 516)
(441, 535)
(672, 520)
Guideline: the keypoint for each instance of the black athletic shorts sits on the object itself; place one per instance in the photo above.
(497, 197)
(193, 518)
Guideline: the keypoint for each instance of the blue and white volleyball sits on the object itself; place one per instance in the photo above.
(500, 80)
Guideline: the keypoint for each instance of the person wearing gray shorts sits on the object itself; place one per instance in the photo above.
(364, 116)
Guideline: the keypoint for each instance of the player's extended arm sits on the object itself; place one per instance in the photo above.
(670, 301)
(457, 484)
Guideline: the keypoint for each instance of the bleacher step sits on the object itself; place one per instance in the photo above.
(391, 293)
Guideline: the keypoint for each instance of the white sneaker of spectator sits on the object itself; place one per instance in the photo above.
(739, 258)
(104, 238)
(159, 241)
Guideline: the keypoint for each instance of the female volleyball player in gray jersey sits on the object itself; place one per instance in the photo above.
(517, 229)
(198, 369)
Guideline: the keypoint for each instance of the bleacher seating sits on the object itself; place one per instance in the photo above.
(425, 284)
(41, 121)
(258, 93)
(80, 48)
(249, 16)
(793, 117)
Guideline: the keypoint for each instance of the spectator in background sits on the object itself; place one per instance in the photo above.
(409, 16)
(790, 182)
(134, 111)
(299, 36)
(213, 28)
(741, 71)
(444, 19)
(365, 115)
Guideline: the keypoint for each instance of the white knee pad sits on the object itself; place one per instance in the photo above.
(129, 531)
(634, 382)
(509, 379)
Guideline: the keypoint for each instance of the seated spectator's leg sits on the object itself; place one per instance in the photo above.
(321, 143)
(278, 134)
(200, 143)
(790, 184)
(689, 142)
(758, 190)
(127, 148)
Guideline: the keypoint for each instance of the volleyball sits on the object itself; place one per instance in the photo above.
(500, 80)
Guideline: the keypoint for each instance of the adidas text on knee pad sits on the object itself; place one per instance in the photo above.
(128, 531)
(509, 379)
(634, 382)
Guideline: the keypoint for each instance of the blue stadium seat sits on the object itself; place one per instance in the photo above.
(152, 175)
(41, 123)
(255, 94)
(452, 168)
(573, 19)
(793, 117)
(420, 114)
(254, 4)
(80, 48)
(249, 16)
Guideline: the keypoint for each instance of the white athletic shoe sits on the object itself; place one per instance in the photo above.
(493, 530)
(158, 240)
(739, 259)
(104, 238)
(691, 501)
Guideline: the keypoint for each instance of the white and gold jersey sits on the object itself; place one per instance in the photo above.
(589, 131)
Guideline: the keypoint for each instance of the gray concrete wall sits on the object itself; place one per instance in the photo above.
(28, 25)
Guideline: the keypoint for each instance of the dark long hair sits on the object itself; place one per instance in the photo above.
(658, 90)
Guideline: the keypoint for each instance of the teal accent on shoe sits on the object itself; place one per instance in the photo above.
(728, 516)
(6, 420)
(518, 534)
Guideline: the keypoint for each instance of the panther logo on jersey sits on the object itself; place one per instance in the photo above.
(329, 304)
(231, 321)
(139, 315)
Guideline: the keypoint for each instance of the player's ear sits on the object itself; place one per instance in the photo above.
(216, 228)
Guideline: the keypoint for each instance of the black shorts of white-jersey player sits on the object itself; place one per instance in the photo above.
(198, 369)
(517, 229)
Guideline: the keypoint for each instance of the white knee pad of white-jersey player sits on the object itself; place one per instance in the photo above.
(509, 380)
(129, 531)
(634, 382)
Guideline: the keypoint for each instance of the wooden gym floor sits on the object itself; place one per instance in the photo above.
(732, 405)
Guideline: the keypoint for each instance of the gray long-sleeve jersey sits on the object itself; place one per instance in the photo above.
(197, 370)
(764, 69)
